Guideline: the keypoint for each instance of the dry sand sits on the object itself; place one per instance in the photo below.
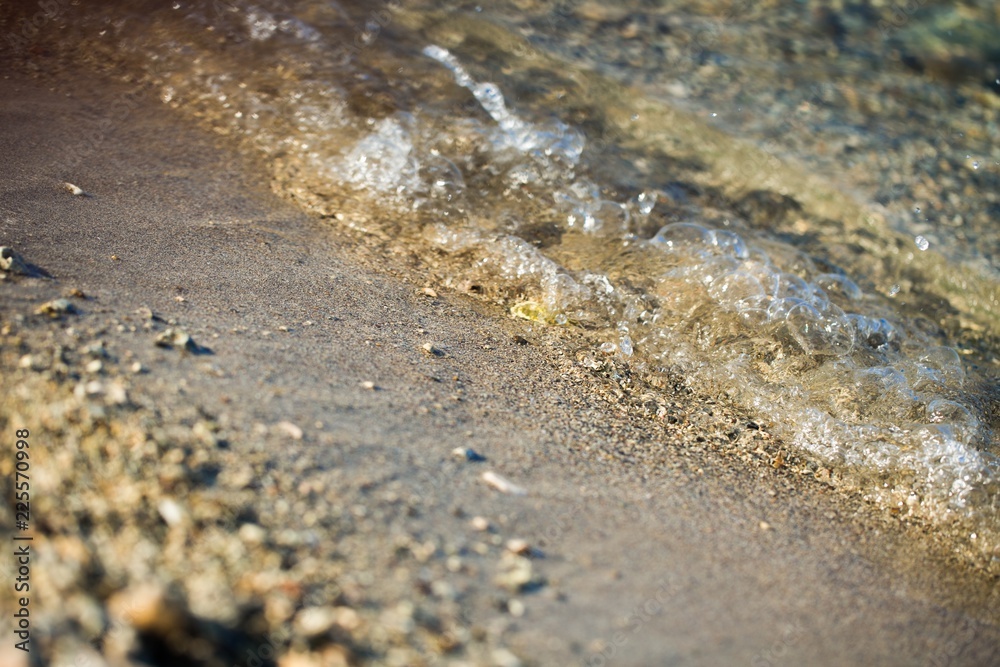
(261, 504)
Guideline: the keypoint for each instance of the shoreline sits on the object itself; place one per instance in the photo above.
(180, 487)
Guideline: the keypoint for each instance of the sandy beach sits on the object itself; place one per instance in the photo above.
(280, 487)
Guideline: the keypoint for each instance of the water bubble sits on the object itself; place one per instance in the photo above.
(681, 236)
(975, 164)
(646, 201)
(626, 345)
(962, 422)
(735, 289)
(916, 209)
(836, 285)
(713, 269)
(878, 334)
(894, 290)
(922, 243)
(730, 243)
(946, 363)
(634, 117)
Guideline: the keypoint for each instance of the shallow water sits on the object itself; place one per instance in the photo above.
(738, 249)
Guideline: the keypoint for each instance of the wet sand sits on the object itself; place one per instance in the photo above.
(200, 506)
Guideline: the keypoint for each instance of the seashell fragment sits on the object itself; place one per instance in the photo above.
(502, 484)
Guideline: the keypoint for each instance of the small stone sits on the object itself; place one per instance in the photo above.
(315, 621)
(429, 291)
(253, 534)
(75, 190)
(467, 454)
(177, 339)
(150, 609)
(516, 608)
(432, 350)
(56, 308)
(95, 350)
(764, 525)
(518, 546)
(332, 655)
(137, 367)
(516, 574)
(293, 431)
(171, 511)
(11, 261)
(600, 12)
(504, 658)
(347, 618)
(368, 384)
(148, 314)
(94, 366)
(502, 484)
(115, 394)
(479, 523)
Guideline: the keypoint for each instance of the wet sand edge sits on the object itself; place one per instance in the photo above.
(240, 485)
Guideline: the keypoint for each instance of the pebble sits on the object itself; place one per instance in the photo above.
(56, 308)
(518, 546)
(252, 534)
(315, 621)
(432, 350)
(516, 573)
(148, 608)
(75, 190)
(12, 262)
(368, 384)
(330, 656)
(177, 339)
(468, 454)
(291, 430)
(172, 512)
(479, 523)
(504, 658)
(516, 608)
(502, 484)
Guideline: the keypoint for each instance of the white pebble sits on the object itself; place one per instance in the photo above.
(171, 512)
(502, 484)
(291, 430)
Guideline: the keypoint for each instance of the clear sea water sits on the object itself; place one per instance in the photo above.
(795, 207)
